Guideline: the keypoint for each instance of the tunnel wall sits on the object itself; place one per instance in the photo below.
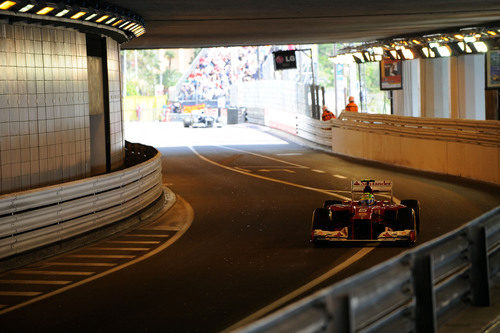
(44, 110)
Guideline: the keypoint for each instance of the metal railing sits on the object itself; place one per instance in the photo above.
(483, 132)
(415, 291)
(35, 218)
(314, 130)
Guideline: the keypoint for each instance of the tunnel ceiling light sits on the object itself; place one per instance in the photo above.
(7, 4)
(481, 47)
(491, 32)
(45, 10)
(133, 27)
(128, 26)
(469, 39)
(26, 8)
(124, 24)
(117, 22)
(458, 36)
(378, 50)
(90, 17)
(444, 50)
(102, 18)
(408, 54)
(62, 12)
(111, 20)
(394, 54)
(416, 42)
(78, 15)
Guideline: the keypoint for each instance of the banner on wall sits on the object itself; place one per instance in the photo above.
(493, 69)
(391, 74)
(284, 60)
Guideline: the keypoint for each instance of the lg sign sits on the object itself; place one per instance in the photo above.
(284, 60)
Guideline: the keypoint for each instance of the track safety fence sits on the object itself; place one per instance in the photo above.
(416, 291)
(35, 218)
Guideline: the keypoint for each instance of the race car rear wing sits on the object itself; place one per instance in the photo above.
(378, 186)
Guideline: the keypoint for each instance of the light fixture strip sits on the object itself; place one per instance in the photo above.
(7, 4)
(124, 24)
(111, 20)
(78, 15)
(102, 18)
(117, 22)
(62, 13)
(26, 8)
(90, 17)
(45, 10)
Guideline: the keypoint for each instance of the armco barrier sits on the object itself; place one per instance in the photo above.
(415, 291)
(35, 218)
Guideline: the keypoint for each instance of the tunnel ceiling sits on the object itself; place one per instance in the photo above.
(196, 23)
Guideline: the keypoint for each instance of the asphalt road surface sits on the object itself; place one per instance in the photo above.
(247, 251)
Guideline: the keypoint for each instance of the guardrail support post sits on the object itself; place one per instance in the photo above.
(479, 276)
(339, 310)
(425, 312)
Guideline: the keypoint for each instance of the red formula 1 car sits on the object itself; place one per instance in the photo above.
(367, 219)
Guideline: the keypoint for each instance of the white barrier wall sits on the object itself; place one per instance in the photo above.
(463, 148)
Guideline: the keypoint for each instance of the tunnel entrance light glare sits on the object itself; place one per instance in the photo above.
(45, 10)
(378, 50)
(78, 15)
(90, 17)
(7, 4)
(481, 47)
(102, 18)
(117, 22)
(62, 13)
(26, 8)
(111, 21)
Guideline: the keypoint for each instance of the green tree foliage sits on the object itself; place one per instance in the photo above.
(325, 75)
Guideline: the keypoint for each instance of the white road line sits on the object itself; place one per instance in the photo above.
(289, 154)
(20, 293)
(25, 271)
(264, 156)
(283, 300)
(106, 256)
(276, 170)
(340, 176)
(134, 242)
(239, 168)
(97, 264)
(147, 235)
(267, 178)
(119, 248)
(34, 282)
(318, 171)
(160, 248)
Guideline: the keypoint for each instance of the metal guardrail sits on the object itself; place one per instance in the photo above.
(314, 130)
(34, 218)
(482, 132)
(415, 291)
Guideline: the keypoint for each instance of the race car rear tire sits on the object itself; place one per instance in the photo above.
(415, 205)
(328, 203)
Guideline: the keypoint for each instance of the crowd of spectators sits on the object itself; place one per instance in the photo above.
(218, 68)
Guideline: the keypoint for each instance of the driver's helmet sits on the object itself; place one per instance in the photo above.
(367, 199)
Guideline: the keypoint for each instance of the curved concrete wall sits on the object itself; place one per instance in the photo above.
(44, 107)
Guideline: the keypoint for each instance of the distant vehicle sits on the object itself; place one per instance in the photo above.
(366, 219)
(198, 118)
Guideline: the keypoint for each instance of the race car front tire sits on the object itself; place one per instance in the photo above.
(415, 205)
